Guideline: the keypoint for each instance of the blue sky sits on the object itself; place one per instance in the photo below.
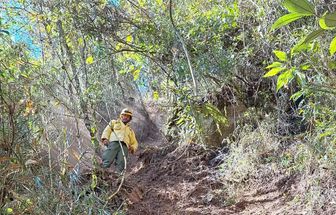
(22, 36)
(17, 29)
(18, 32)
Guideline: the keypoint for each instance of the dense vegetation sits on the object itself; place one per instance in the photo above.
(253, 81)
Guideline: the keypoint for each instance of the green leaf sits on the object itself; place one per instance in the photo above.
(274, 72)
(141, 3)
(273, 65)
(286, 19)
(284, 79)
(305, 67)
(331, 65)
(313, 35)
(119, 46)
(122, 72)
(323, 24)
(48, 28)
(216, 114)
(300, 78)
(156, 95)
(180, 121)
(29, 202)
(136, 74)
(326, 134)
(129, 39)
(297, 95)
(102, 3)
(299, 6)
(280, 55)
(332, 47)
(330, 19)
(300, 46)
(9, 211)
(94, 181)
(89, 60)
(80, 41)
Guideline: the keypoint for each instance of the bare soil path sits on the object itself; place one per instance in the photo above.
(170, 180)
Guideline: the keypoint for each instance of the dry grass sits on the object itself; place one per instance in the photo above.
(284, 174)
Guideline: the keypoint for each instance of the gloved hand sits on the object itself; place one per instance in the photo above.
(105, 142)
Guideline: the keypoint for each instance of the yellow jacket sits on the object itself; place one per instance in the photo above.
(116, 130)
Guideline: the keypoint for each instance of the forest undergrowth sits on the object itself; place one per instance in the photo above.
(233, 105)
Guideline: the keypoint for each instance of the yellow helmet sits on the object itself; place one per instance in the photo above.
(126, 111)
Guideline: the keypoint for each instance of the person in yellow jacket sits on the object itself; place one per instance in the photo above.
(118, 133)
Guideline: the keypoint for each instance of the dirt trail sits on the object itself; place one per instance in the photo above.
(170, 180)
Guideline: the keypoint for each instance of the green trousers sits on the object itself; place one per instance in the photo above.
(113, 153)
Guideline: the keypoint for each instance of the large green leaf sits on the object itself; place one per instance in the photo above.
(284, 79)
(273, 72)
(286, 19)
(299, 6)
(304, 44)
(332, 48)
(323, 24)
(273, 65)
(330, 19)
(313, 35)
(280, 55)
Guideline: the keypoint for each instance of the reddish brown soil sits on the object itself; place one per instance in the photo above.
(167, 180)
